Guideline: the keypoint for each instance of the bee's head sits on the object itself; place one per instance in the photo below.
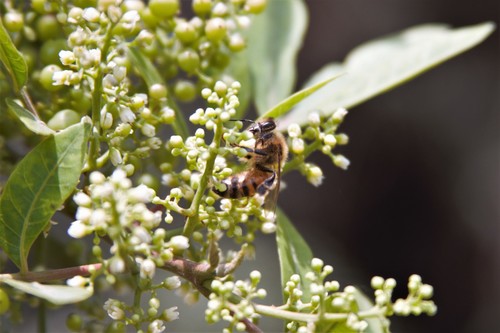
(265, 126)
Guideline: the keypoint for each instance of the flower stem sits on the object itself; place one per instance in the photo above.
(96, 102)
(276, 312)
(297, 160)
(193, 218)
(54, 274)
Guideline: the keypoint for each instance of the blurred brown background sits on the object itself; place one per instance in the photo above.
(422, 192)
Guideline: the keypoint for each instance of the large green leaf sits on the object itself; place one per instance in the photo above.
(56, 294)
(12, 59)
(31, 121)
(382, 64)
(285, 106)
(294, 254)
(274, 40)
(38, 187)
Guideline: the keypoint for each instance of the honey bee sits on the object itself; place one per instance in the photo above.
(265, 161)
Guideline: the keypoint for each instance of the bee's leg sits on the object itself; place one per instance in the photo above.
(251, 151)
(268, 183)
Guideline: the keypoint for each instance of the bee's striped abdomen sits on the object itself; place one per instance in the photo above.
(238, 186)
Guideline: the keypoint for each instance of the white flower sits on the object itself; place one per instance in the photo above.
(167, 114)
(172, 282)
(297, 146)
(116, 265)
(115, 156)
(97, 177)
(98, 218)
(119, 72)
(179, 242)
(78, 230)
(74, 15)
(294, 130)
(114, 310)
(314, 119)
(67, 57)
(148, 130)
(148, 269)
(83, 214)
(142, 234)
(268, 227)
(220, 9)
(339, 114)
(130, 19)
(91, 14)
(126, 115)
(341, 161)
(141, 193)
(102, 191)
(145, 37)
(90, 58)
(176, 141)
(243, 21)
(156, 326)
(314, 175)
(330, 140)
(62, 78)
(171, 314)
(77, 281)
(106, 120)
(82, 199)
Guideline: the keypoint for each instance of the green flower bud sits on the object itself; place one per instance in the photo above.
(185, 90)
(215, 29)
(164, 8)
(158, 91)
(74, 322)
(255, 6)
(186, 32)
(13, 21)
(4, 302)
(202, 7)
(45, 77)
(188, 60)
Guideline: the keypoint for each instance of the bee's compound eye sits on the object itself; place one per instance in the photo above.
(267, 126)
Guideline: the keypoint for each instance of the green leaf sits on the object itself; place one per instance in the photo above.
(31, 121)
(38, 187)
(285, 106)
(274, 40)
(382, 64)
(294, 254)
(12, 59)
(145, 67)
(56, 294)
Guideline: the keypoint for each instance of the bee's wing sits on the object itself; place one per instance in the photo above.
(271, 199)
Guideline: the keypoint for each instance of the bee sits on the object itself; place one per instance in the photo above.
(265, 161)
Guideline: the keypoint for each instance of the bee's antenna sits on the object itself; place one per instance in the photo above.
(243, 120)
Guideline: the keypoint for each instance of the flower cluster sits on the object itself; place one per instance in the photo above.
(221, 305)
(319, 134)
(124, 314)
(331, 305)
(113, 208)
